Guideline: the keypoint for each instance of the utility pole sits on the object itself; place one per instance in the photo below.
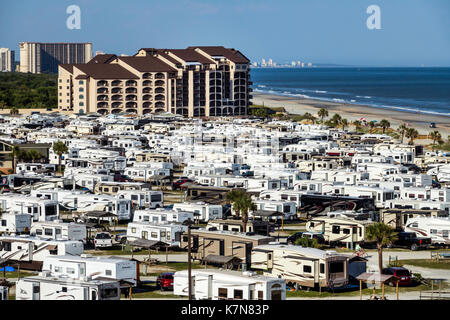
(189, 260)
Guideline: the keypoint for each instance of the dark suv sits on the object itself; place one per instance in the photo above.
(165, 281)
(411, 241)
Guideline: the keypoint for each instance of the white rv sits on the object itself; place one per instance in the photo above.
(211, 284)
(161, 216)
(309, 267)
(142, 199)
(288, 208)
(205, 211)
(79, 267)
(39, 209)
(47, 287)
(168, 233)
(35, 250)
(59, 230)
(438, 229)
(12, 223)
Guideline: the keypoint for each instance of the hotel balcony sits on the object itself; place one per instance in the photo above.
(147, 105)
(103, 90)
(116, 90)
(147, 76)
(131, 83)
(160, 83)
(147, 97)
(102, 105)
(131, 98)
(160, 90)
(117, 97)
(117, 105)
(102, 83)
(102, 98)
(147, 90)
(160, 97)
(159, 76)
(116, 83)
(131, 90)
(147, 83)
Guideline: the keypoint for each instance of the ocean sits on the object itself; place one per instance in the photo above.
(418, 90)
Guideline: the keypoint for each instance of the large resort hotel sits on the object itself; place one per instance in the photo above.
(193, 82)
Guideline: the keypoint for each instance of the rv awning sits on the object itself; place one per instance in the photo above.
(158, 177)
(374, 277)
(221, 259)
(148, 244)
(266, 213)
(99, 214)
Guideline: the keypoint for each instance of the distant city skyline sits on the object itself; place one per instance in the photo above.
(413, 32)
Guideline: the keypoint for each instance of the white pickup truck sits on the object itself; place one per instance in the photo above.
(103, 240)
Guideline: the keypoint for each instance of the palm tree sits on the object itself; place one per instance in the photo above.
(371, 125)
(309, 116)
(2, 105)
(412, 134)
(383, 235)
(14, 111)
(34, 155)
(246, 204)
(344, 123)
(402, 129)
(384, 124)
(357, 124)
(435, 136)
(59, 148)
(336, 119)
(322, 113)
(233, 196)
(15, 152)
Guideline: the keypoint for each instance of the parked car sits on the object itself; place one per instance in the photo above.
(311, 235)
(177, 184)
(402, 275)
(165, 281)
(411, 241)
(432, 125)
(121, 238)
(103, 240)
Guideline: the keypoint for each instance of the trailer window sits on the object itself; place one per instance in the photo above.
(322, 268)
(346, 231)
(48, 232)
(307, 269)
(336, 267)
(57, 231)
(3, 223)
(238, 294)
(260, 295)
(155, 198)
(336, 229)
(108, 293)
(50, 210)
(223, 293)
(70, 270)
(154, 235)
(108, 272)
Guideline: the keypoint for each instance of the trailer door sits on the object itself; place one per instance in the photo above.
(36, 291)
(270, 260)
(316, 271)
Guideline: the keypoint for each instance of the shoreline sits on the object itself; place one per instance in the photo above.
(298, 106)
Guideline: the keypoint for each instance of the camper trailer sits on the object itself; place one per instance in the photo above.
(47, 287)
(3, 293)
(397, 218)
(288, 208)
(161, 216)
(168, 233)
(438, 229)
(339, 229)
(211, 284)
(237, 225)
(143, 199)
(205, 211)
(308, 267)
(39, 209)
(30, 252)
(59, 230)
(79, 267)
(14, 223)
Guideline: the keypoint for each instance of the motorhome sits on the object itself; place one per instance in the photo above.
(438, 229)
(167, 233)
(144, 198)
(86, 265)
(397, 218)
(204, 211)
(212, 284)
(112, 187)
(14, 223)
(308, 267)
(282, 195)
(237, 225)
(30, 252)
(162, 216)
(223, 243)
(287, 208)
(339, 229)
(59, 230)
(47, 287)
(39, 209)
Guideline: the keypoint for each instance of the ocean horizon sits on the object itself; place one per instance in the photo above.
(423, 90)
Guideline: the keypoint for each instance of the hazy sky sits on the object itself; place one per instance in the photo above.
(413, 32)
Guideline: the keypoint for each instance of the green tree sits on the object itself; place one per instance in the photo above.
(357, 124)
(242, 204)
(385, 124)
(260, 112)
(435, 136)
(59, 148)
(412, 134)
(34, 155)
(371, 125)
(402, 130)
(344, 123)
(382, 234)
(322, 113)
(307, 242)
(336, 119)
(309, 116)
(14, 111)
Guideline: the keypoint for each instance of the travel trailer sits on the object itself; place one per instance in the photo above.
(167, 233)
(143, 199)
(288, 208)
(339, 229)
(14, 223)
(211, 284)
(308, 267)
(438, 229)
(397, 218)
(237, 225)
(59, 230)
(47, 287)
(85, 265)
(205, 211)
(30, 252)
(39, 209)
(223, 243)
(161, 216)
(112, 187)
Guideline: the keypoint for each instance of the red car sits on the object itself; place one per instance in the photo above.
(165, 281)
(401, 274)
(177, 184)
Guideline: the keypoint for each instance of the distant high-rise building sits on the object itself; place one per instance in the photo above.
(309, 64)
(303, 64)
(7, 60)
(293, 63)
(263, 62)
(270, 63)
(299, 63)
(38, 57)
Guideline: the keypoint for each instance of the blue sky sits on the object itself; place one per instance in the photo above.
(413, 32)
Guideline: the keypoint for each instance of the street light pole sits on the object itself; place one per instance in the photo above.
(189, 260)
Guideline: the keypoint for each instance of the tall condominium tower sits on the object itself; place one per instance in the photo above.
(193, 82)
(7, 57)
(38, 57)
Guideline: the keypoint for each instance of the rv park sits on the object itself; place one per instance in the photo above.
(249, 208)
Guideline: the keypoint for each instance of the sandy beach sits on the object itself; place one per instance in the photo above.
(296, 105)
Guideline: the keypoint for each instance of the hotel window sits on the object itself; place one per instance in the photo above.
(81, 96)
(81, 89)
(81, 82)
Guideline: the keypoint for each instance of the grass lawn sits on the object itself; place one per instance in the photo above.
(427, 263)
(150, 291)
(118, 252)
(178, 266)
